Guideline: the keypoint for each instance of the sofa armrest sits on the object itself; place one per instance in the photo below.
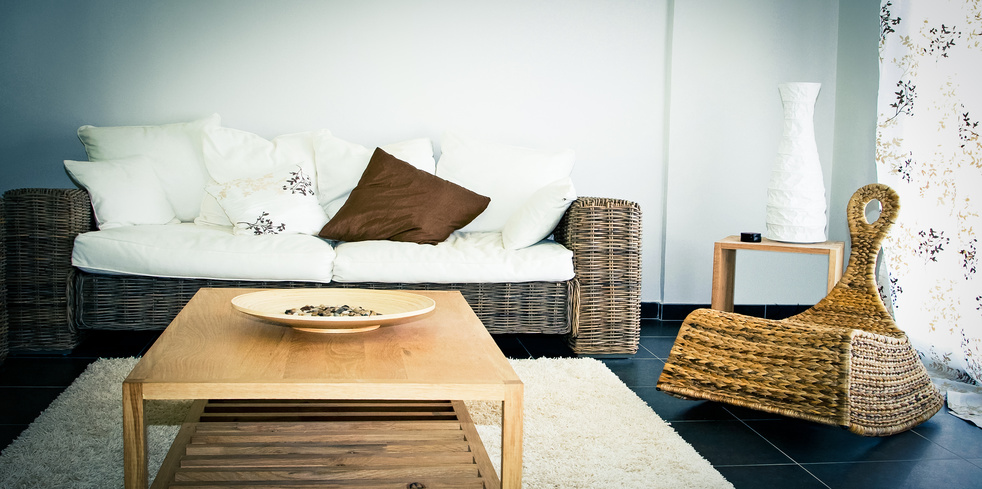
(41, 225)
(605, 238)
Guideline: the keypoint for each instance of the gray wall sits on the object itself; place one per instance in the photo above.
(672, 104)
(857, 80)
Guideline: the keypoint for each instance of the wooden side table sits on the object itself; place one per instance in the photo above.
(724, 263)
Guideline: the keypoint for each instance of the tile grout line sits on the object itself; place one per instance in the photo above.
(522, 344)
(725, 408)
(914, 431)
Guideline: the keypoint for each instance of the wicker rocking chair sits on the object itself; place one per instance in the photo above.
(842, 362)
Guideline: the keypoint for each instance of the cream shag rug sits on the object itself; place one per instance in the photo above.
(583, 429)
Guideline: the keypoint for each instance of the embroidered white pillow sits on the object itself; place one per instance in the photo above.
(507, 174)
(124, 192)
(173, 150)
(540, 214)
(232, 154)
(278, 202)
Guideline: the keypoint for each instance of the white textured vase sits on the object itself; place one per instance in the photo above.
(796, 210)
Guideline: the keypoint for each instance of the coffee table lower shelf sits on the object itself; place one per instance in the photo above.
(328, 444)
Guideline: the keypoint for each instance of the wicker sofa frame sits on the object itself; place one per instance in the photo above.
(4, 344)
(51, 303)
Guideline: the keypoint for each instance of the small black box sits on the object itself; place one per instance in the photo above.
(750, 237)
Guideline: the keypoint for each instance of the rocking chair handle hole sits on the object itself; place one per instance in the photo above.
(874, 208)
(862, 207)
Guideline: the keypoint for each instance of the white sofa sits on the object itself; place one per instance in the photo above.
(169, 209)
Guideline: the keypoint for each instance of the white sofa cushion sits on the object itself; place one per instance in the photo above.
(124, 192)
(340, 165)
(233, 153)
(540, 214)
(174, 151)
(195, 251)
(463, 257)
(507, 174)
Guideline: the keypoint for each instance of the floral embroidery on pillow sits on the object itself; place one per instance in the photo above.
(245, 187)
(264, 225)
(283, 200)
(299, 183)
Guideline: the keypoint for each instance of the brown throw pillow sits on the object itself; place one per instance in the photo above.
(399, 202)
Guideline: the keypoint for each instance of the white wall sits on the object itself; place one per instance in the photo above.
(725, 122)
(672, 104)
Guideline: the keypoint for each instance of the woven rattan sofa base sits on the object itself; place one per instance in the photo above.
(40, 229)
(600, 308)
(841, 362)
(605, 238)
(126, 302)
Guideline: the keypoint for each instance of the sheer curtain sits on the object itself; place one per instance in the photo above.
(929, 151)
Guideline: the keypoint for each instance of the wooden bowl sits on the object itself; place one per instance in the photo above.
(393, 307)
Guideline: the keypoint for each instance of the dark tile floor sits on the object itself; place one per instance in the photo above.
(751, 449)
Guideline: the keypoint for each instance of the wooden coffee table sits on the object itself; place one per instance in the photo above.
(211, 351)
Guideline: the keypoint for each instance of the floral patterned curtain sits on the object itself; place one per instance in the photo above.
(928, 149)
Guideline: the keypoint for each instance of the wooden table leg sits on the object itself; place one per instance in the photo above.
(134, 437)
(724, 265)
(511, 436)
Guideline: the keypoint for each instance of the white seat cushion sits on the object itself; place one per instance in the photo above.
(462, 258)
(196, 251)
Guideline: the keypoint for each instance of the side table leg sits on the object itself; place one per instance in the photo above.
(134, 437)
(511, 436)
(724, 265)
(835, 267)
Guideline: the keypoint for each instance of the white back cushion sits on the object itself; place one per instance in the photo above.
(173, 150)
(232, 153)
(507, 174)
(340, 165)
(124, 192)
(540, 214)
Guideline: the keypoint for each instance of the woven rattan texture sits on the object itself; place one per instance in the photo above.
(841, 362)
(888, 385)
(760, 364)
(41, 225)
(119, 302)
(4, 342)
(605, 237)
(855, 296)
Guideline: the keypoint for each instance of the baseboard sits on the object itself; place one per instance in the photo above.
(678, 312)
(650, 310)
